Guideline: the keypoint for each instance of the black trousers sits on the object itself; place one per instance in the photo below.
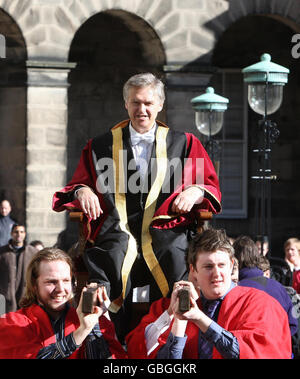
(104, 263)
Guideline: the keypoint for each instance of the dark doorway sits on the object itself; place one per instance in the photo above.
(13, 108)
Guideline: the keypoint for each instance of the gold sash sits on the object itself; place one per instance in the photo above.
(120, 203)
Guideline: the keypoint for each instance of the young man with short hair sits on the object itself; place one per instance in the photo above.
(14, 259)
(224, 320)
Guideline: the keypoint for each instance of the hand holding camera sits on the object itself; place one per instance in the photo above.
(182, 298)
(94, 295)
(94, 303)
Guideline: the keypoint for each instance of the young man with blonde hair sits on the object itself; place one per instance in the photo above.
(48, 326)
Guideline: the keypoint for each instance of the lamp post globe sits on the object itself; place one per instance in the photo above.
(209, 111)
(265, 80)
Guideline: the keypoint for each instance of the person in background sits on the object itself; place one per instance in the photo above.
(37, 244)
(292, 257)
(6, 222)
(251, 275)
(235, 271)
(14, 259)
(48, 326)
(225, 321)
(264, 266)
(263, 245)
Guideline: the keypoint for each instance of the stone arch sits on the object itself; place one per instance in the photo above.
(13, 103)
(286, 13)
(247, 38)
(239, 46)
(163, 16)
(49, 30)
(221, 14)
(71, 15)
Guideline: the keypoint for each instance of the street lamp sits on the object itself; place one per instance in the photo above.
(265, 81)
(209, 113)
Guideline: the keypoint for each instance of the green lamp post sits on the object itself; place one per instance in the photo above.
(265, 80)
(209, 116)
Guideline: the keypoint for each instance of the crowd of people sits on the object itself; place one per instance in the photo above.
(251, 317)
(209, 296)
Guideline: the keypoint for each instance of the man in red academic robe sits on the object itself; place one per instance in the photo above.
(224, 320)
(140, 186)
(47, 326)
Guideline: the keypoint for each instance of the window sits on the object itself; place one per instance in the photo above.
(233, 143)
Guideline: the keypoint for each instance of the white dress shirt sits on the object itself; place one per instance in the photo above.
(142, 147)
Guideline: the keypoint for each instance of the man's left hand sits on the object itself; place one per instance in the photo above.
(187, 198)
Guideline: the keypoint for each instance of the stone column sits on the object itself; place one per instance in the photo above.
(47, 110)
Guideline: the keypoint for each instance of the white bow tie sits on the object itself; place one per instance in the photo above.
(137, 138)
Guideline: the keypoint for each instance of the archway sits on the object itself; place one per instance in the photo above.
(13, 122)
(241, 45)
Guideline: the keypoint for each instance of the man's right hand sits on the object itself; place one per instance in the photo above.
(89, 202)
(173, 307)
(88, 320)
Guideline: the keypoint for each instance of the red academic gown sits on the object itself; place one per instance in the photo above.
(106, 233)
(256, 319)
(24, 332)
(296, 281)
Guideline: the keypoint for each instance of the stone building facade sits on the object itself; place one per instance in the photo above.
(61, 81)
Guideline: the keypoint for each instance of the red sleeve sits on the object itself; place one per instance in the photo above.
(19, 337)
(260, 325)
(198, 170)
(108, 330)
(84, 175)
(296, 281)
(135, 340)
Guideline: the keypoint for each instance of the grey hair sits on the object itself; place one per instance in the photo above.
(145, 80)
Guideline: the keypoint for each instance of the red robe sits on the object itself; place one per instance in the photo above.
(24, 332)
(256, 319)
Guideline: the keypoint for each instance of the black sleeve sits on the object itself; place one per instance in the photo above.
(96, 347)
(59, 350)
